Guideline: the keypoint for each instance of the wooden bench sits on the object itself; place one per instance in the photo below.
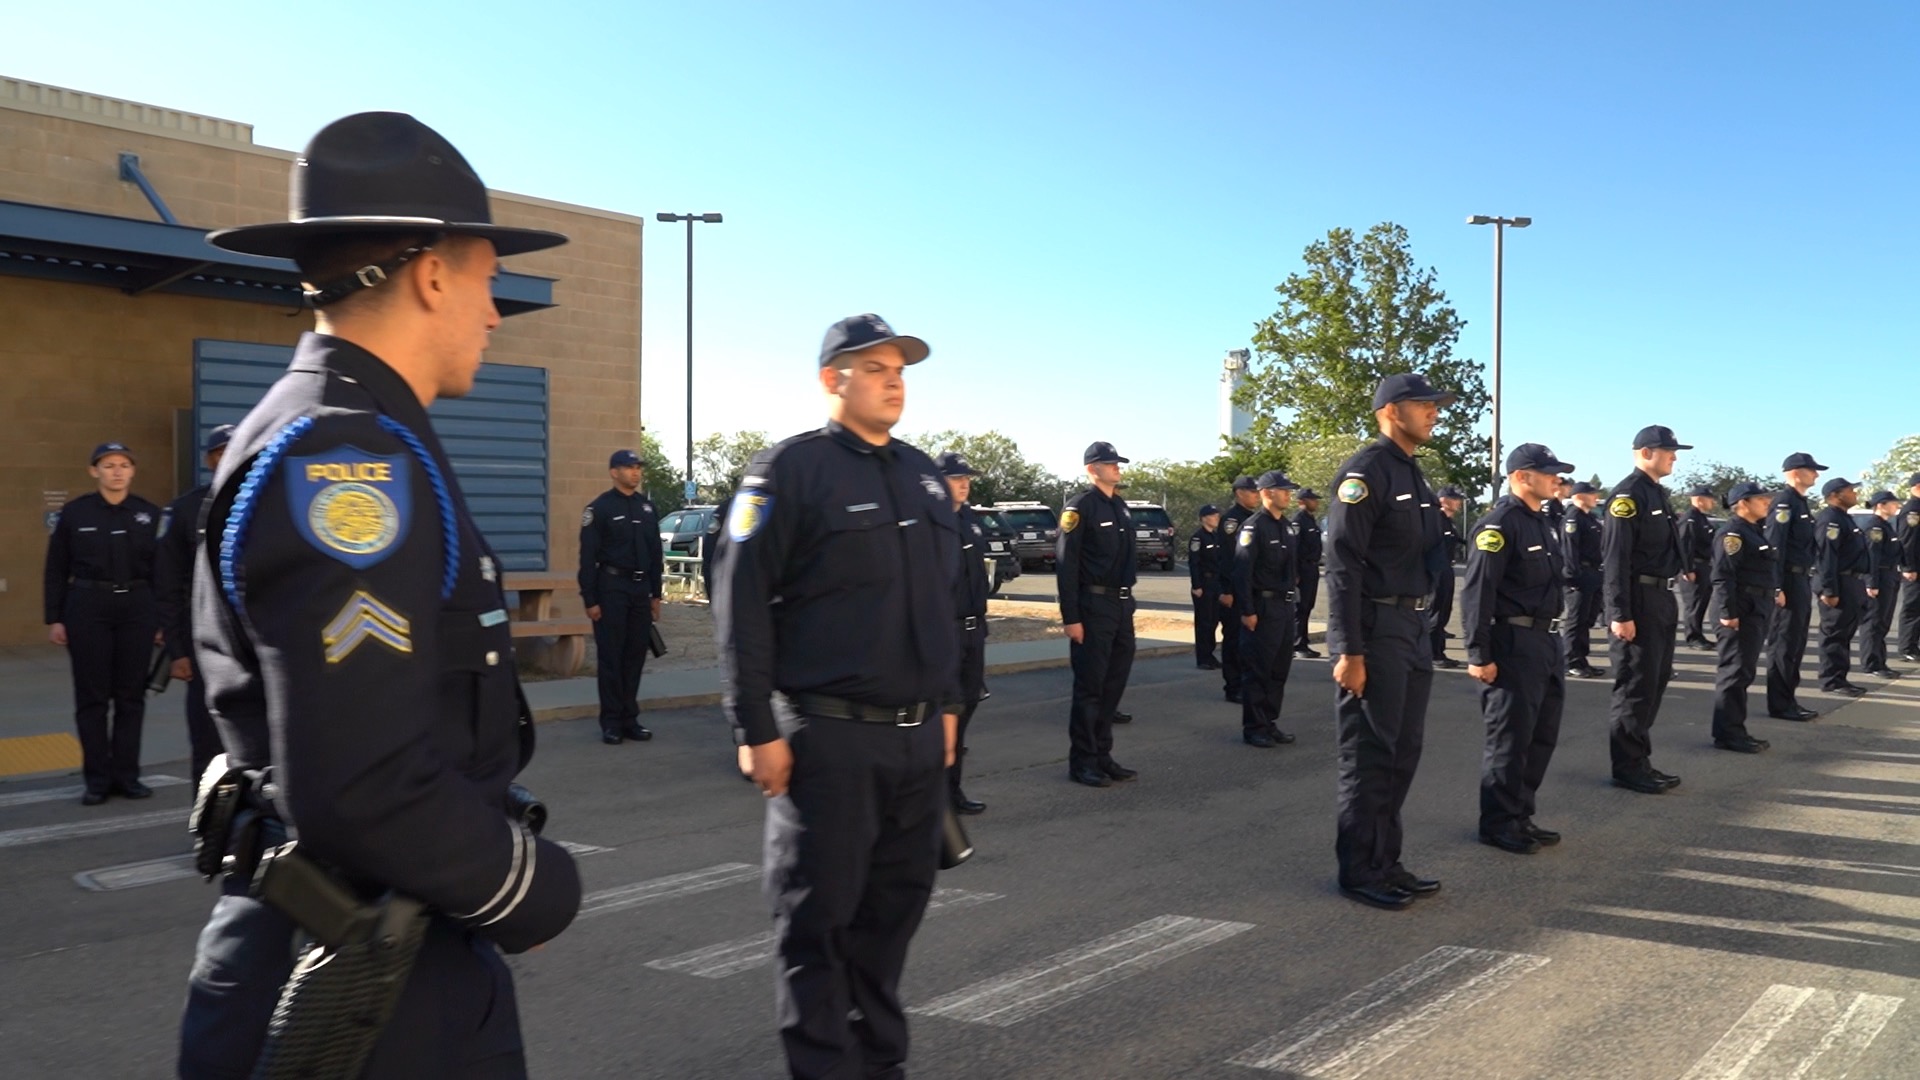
(557, 646)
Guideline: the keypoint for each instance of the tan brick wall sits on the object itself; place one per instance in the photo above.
(83, 364)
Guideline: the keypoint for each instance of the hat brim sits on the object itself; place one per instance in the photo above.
(912, 349)
(284, 239)
(1438, 397)
(1115, 460)
(1666, 446)
(959, 472)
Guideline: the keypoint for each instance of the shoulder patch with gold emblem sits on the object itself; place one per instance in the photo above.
(1622, 506)
(1833, 532)
(1572, 526)
(351, 505)
(1876, 534)
(1490, 540)
(1913, 519)
(1783, 515)
(1069, 520)
(1246, 537)
(1352, 490)
(748, 513)
(1731, 543)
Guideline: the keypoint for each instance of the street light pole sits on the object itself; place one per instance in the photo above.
(711, 219)
(1499, 257)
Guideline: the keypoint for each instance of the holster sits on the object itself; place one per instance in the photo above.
(221, 816)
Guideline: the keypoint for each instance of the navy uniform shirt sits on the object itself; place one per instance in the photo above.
(1744, 572)
(1696, 541)
(970, 586)
(1096, 547)
(836, 578)
(95, 540)
(1637, 540)
(1264, 561)
(1557, 512)
(180, 536)
(352, 632)
(1909, 533)
(1309, 543)
(1205, 564)
(1580, 546)
(1230, 524)
(1387, 539)
(1790, 531)
(1841, 548)
(621, 532)
(1883, 550)
(1513, 568)
(1450, 532)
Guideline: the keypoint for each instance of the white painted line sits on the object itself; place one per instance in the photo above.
(623, 897)
(1827, 822)
(578, 849)
(1027, 991)
(65, 794)
(1888, 905)
(1858, 796)
(1369, 1026)
(1850, 932)
(747, 953)
(135, 874)
(1848, 866)
(41, 834)
(1797, 1032)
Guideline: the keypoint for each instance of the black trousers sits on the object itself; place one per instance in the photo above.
(973, 679)
(1206, 624)
(457, 1017)
(1102, 661)
(1837, 626)
(1440, 612)
(1381, 732)
(1641, 670)
(620, 638)
(1266, 658)
(851, 853)
(203, 739)
(1739, 658)
(1581, 607)
(1522, 709)
(1876, 622)
(1787, 644)
(109, 644)
(1909, 616)
(1230, 645)
(1309, 595)
(1694, 597)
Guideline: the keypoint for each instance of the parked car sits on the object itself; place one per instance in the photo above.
(682, 530)
(1152, 533)
(1002, 564)
(1035, 527)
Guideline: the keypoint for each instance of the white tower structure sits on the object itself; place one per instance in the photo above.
(1234, 421)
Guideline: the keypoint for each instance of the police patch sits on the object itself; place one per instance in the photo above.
(1069, 520)
(586, 517)
(1352, 490)
(1246, 538)
(166, 521)
(1490, 540)
(1876, 534)
(1194, 544)
(1622, 506)
(749, 512)
(1833, 532)
(1233, 526)
(352, 505)
(1913, 519)
(1572, 527)
(1783, 515)
(1731, 543)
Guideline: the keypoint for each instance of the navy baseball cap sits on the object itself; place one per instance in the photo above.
(1245, 483)
(1879, 497)
(1700, 491)
(1307, 493)
(1833, 486)
(1801, 461)
(1408, 386)
(217, 438)
(953, 464)
(1103, 452)
(856, 332)
(1658, 437)
(1584, 488)
(1913, 480)
(1535, 457)
(1450, 492)
(1208, 510)
(623, 457)
(1275, 480)
(1744, 490)
(106, 448)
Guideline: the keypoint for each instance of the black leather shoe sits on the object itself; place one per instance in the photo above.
(93, 798)
(1306, 651)
(1911, 656)
(1702, 644)
(1742, 745)
(1233, 697)
(1886, 673)
(1511, 840)
(964, 805)
(1383, 896)
(1666, 778)
(1846, 690)
(1209, 664)
(1447, 662)
(1122, 717)
(1117, 771)
(1642, 782)
(1090, 776)
(1794, 714)
(1546, 837)
(611, 738)
(1279, 736)
(1258, 737)
(636, 733)
(133, 789)
(1587, 671)
(1418, 886)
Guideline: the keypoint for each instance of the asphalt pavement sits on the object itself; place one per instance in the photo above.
(1761, 920)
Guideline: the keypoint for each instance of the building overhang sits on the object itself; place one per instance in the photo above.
(139, 257)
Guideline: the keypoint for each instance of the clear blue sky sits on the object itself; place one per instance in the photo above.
(1083, 205)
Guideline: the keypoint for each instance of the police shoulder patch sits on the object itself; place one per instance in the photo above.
(1622, 506)
(586, 517)
(1833, 532)
(1783, 515)
(1193, 544)
(1731, 542)
(166, 522)
(1913, 519)
(1490, 539)
(1352, 490)
(1069, 520)
(1876, 534)
(1233, 526)
(1246, 538)
(748, 513)
(1572, 527)
(351, 505)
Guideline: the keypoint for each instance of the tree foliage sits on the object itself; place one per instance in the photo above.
(1005, 473)
(663, 483)
(1361, 310)
(1717, 475)
(720, 460)
(1901, 461)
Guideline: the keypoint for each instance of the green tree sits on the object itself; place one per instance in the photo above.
(1183, 487)
(664, 484)
(1005, 473)
(1359, 311)
(1716, 475)
(1891, 472)
(720, 460)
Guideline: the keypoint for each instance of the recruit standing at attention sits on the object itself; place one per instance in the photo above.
(621, 564)
(181, 540)
(1790, 532)
(1265, 578)
(1883, 585)
(1246, 503)
(1696, 559)
(1745, 595)
(970, 592)
(1311, 546)
(1580, 532)
(1094, 577)
(1843, 566)
(1204, 567)
(1641, 555)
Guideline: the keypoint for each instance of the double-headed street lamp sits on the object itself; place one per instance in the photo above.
(710, 219)
(1499, 233)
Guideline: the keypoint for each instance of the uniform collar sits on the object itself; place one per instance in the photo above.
(1394, 448)
(839, 433)
(342, 359)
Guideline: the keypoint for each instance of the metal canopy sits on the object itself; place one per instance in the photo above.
(139, 257)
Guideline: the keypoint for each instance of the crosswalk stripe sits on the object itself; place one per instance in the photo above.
(1027, 991)
(40, 834)
(1845, 931)
(747, 953)
(1884, 905)
(1346, 1039)
(1797, 1031)
(135, 874)
(622, 897)
(67, 794)
(1847, 865)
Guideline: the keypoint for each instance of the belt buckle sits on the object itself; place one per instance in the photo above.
(1420, 603)
(122, 589)
(908, 717)
(970, 622)
(1126, 592)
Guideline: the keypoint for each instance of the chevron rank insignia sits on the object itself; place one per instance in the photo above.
(365, 618)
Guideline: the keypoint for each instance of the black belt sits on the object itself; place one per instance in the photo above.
(1792, 569)
(1757, 590)
(1411, 603)
(970, 622)
(1288, 595)
(1649, 579)
(1551, 626)
(618, 572)
(1124, 592)
(1856, 573)
(834, 708)
(107, 586)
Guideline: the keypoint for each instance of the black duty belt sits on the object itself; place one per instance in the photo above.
(1411, 603)
(107, 586)
(1856, 573)
(1757, 590)
(1649, 579)
(1792, 569)
(834, 708)
(1288, 595)
(1124, 592)
(1551, 626)
(623, 573)
(970, 622)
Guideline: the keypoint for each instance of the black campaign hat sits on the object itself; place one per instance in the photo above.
(1801, 460)
(1658, 437)
(381, 173)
